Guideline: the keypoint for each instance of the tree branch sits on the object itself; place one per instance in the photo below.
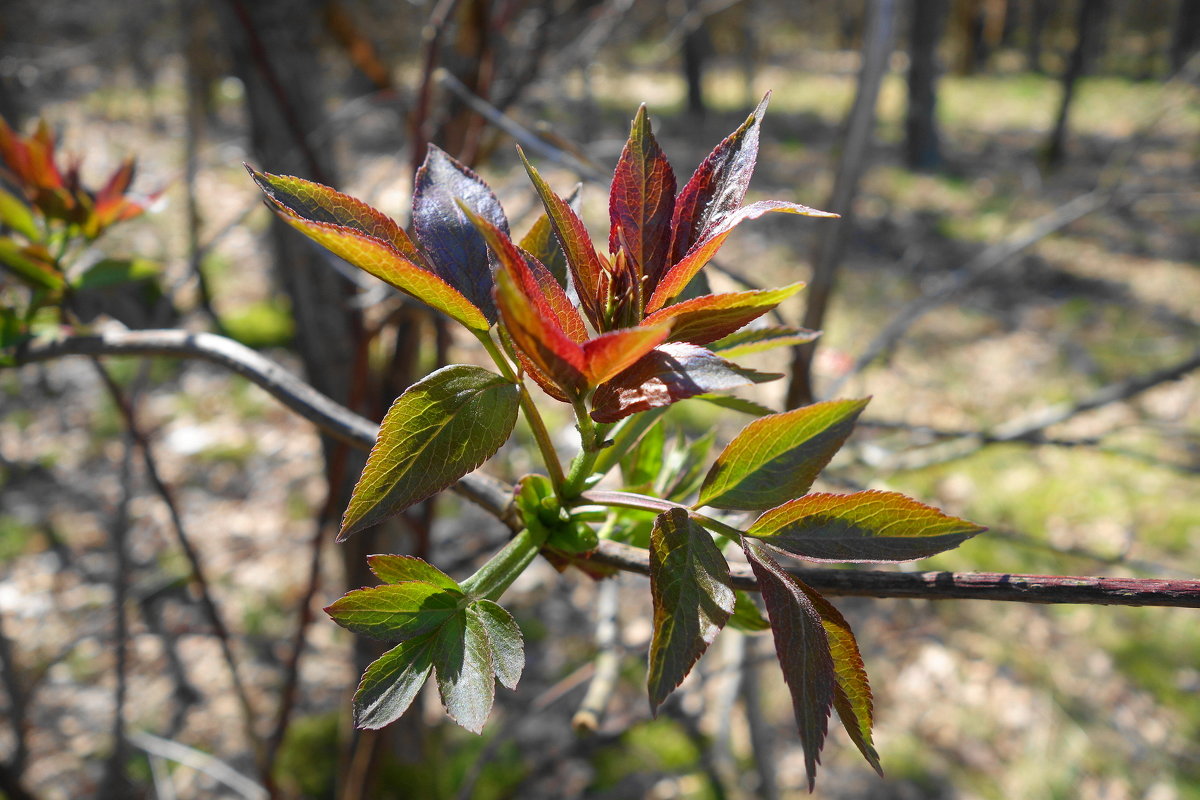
(494, 496)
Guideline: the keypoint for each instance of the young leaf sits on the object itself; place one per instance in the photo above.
(708, 318)
(32, 264)
(587, 270)
(644, 462)
(505, 640)
(15, 214)
(684, 464)
(539, 339)
(395, 612)
(114, 272)
(665, 375)
(399, 569)
(775, 459)
(442, 427)
(746, 616)
(380, 257)
(462, 661)
(391, 682)
(718, 185)
(677, 277)
(803, 650)
(642, 200)
(610, 353)
(690, 589)
(739, 404)
(758, 339)
(864, 526)
(852, 692)
(455, 248)
(541, 243)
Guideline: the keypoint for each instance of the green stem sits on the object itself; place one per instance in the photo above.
(493, 578)
(647, 503)
(592, 440)
(540, 434)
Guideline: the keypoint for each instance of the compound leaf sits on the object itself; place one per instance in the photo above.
(395, 612)
(505, 640)
(710, 317)
(642, 200)
(392, 681)
(398, 569)
(462, 661)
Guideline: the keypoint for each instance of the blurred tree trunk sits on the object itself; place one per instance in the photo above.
(1039, 13)
(1086, 26)
(921, 148)
(832, 234)
(1186, 41)
(696, 46)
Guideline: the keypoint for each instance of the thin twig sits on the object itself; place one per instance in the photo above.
(18, 702)
(200, 761)
(608, 661)
(761, 744)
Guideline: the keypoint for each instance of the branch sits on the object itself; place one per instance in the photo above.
(494, 496)
(949, 585)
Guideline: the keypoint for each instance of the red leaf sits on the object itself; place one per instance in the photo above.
(456, 250)
(610, 353)
(667, 374)
(678, 276)
(536, 334)
(718, 185)
(587, 270)
(706, 319)
(642, 200)
(803, 650)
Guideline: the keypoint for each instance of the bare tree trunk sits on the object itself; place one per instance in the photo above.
(696, 45)
(1186, 41)
(831, 242)
(1076, 67)
(1039, 13)
(922, 150)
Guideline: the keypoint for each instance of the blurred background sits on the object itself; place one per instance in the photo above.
(1015, 280)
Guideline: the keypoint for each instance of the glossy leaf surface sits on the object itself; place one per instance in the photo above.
(395, 612)
(803, 650)
(711, 317)
(540, 339)
(776, 459)
(442, 427)
(392, 681)
(642, 200)
(398, 569)
(504, 639)
(718, 185)
(456, 250)
(677, 277)
(462, 659)
(667, 374)
(610, 353)
(758, 339)
(864, 526)
(542, 244)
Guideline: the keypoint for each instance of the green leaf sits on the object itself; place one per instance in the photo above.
(462, 661)
(852, 692)
(738, 404)
(775, 459)
(746, 616)
(692, 597)
(642, 200)
(31, 264)
(392, 681)
(684, 465)
(505, 640)
(399, 569)
(678, 276)
(373, 246)
(542, 244)
(711, 317)
(667, 374)
(442, 427)
(442, 189)
(802, 646)
(626, 435)
(758, 339)
(116, 271)
(644, 462)
(395, 612)
(864, 527)
(15, 214)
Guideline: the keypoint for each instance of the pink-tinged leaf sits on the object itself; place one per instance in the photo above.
(758, 339)
(400, 569)
(718, 185)
(642, 200)
(864, 527)
(802, 646)
(539, 339)
(384, 261)
(395, 612)
(316, 203)
(776, 459)
(707, 319)
(462, 662)
(504, 639)
(392, 681)
(677, 277)
(587, 270)
(442, 427)
(533, 279)
(456, 250)
(851, 691)
(667, 374)
(692, 597)
(610, 353)
(542, 244)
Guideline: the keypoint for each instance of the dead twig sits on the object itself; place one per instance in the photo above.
(210, 765)
(608, 660)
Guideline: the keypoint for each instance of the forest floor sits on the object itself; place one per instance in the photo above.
(973, 699)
